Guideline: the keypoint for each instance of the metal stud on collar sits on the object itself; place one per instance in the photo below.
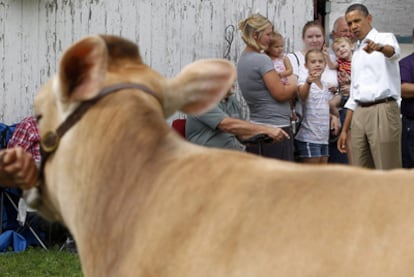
(49, 142)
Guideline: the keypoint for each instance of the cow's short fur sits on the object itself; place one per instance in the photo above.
(140, 201)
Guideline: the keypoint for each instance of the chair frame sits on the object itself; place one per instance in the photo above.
(3, 194)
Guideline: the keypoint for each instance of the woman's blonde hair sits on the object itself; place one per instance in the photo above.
(256, 23)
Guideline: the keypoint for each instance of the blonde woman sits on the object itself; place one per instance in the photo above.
(267, 97)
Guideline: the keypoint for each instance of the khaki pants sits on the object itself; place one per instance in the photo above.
(376, 136)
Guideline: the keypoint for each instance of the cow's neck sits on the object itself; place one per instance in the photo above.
(103, 175)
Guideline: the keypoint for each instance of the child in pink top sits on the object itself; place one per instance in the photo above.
(276, 53)
(281, 63)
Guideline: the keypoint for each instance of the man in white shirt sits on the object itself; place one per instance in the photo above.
(373, 112)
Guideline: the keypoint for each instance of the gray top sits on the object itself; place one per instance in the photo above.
(263, 107)
(202, 129)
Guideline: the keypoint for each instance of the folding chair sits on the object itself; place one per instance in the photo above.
(28, 138)
(7, 197)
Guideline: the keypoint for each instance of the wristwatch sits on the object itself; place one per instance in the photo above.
(381, 47)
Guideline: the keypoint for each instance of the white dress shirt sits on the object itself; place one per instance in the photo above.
(374, 76)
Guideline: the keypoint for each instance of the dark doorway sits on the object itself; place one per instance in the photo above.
(320, 10)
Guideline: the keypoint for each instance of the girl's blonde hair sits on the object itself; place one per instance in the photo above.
(254, 24)
(312, 51)
(275, 37)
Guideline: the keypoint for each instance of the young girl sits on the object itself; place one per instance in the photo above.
(313, 137)
(281, 62)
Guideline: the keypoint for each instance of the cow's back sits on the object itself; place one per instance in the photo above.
(263, 218)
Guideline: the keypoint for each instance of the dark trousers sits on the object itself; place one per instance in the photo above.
(407, 142)
(280, 150)
(334, 155)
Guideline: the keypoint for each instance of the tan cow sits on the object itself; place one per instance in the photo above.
(140, 201)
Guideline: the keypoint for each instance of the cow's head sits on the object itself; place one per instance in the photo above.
(96, 62)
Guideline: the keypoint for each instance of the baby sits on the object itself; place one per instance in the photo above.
(276, 53)
(342, 48)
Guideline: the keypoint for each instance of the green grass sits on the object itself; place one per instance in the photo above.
(37, 262)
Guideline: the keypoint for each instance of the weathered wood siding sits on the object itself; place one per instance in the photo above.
(171, 34)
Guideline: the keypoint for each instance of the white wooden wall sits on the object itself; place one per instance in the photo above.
(171, 34)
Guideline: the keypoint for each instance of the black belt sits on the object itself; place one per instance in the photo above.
(369, 104)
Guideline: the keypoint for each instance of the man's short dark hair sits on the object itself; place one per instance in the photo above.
(358, 7)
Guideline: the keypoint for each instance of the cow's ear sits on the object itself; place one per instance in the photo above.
(199, 86)
(82, 69)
